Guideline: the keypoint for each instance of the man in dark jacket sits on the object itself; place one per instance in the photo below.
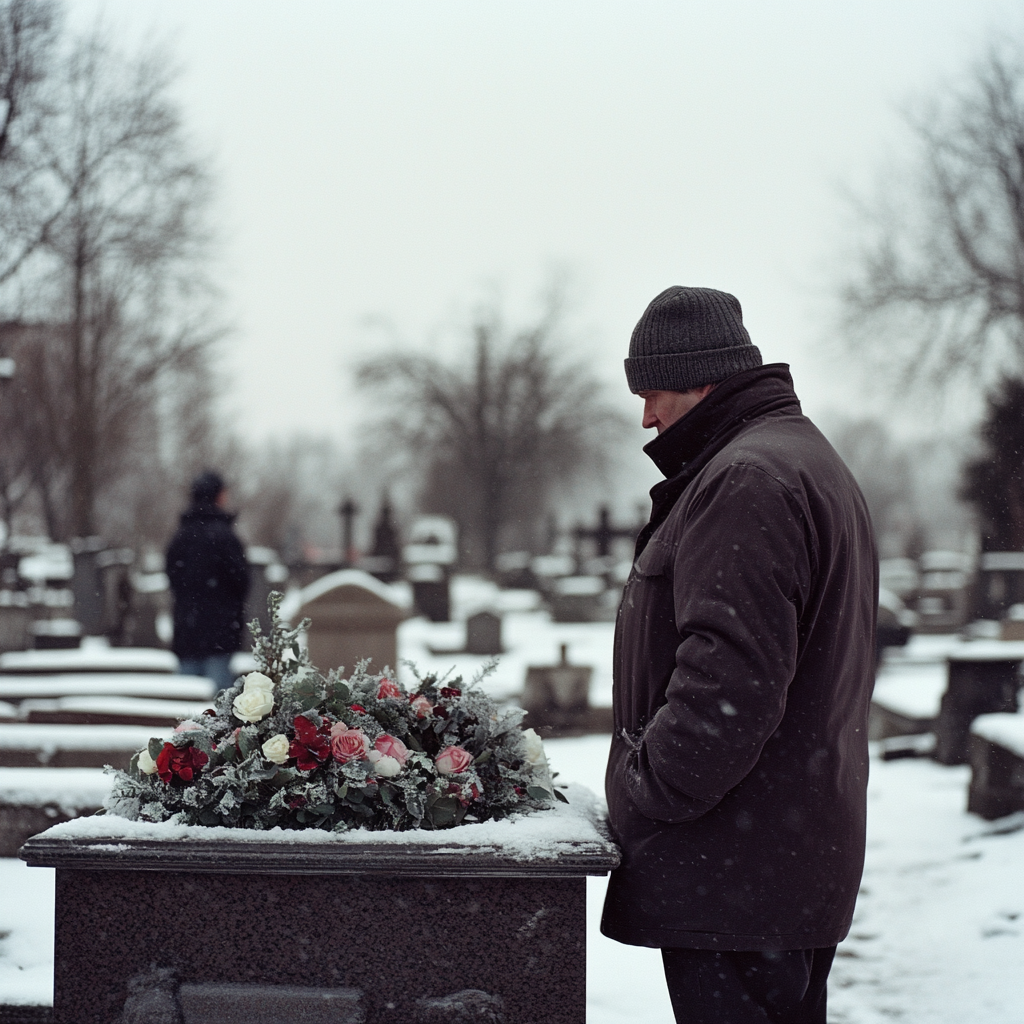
(743, 666)
(209, 578)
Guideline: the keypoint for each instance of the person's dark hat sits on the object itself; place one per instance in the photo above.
(689, 337)
(206, 487)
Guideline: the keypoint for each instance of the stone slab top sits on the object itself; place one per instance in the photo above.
(89, 658)
(567, 840)
(914, 690)
(1005, 730)
(987, 650)
(71, 789)
(51, 738)
(121, 684)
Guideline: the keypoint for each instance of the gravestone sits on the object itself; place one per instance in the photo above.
(431, 591)
(355, 616)
(581, 599)
(15, 620)
(483, 633)
(997, 766)
(87, 584)
(483, 929)
(983, 678)
(557, 699)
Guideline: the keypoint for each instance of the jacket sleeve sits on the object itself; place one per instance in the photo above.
(740, 576)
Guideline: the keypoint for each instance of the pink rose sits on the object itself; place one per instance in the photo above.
(422, 706)
(338, 728)
(388, 689)
(392, 746)
(453, 760)
(350, 745)
(187, 726)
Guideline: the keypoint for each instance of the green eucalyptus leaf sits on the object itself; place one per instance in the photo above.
(154, 747)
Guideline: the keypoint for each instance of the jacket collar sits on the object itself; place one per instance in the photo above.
(685, 447)
(737, 400)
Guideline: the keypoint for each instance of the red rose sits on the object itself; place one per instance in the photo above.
(182, 763)
(450, 691)
(312, 745)
(358, 707)
(392, 746)
(453, 760)
(388, 689)
(350, 745)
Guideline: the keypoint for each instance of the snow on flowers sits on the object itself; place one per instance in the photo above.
(288, 746)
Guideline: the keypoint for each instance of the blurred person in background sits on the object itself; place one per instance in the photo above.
(209, 579)
(743, 667)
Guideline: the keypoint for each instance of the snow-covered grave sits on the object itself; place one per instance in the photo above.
(940, 684)
(906, 698)
(498, 907)
(529, 636)
(27, 745)
(984, 678)
(106, 710)
(33, 799)
(997, 765)
(95, 655)
(17, 688)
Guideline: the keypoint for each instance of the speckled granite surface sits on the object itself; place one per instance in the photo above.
(404, 942)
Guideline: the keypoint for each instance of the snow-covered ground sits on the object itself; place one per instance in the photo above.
(938, 936)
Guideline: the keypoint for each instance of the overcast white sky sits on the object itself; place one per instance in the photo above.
(402, 159)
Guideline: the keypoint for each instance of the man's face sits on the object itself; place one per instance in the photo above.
(663, 408)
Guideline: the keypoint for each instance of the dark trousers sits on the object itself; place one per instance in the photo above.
(711, 987)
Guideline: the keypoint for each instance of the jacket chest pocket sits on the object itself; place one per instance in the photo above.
(655, 560)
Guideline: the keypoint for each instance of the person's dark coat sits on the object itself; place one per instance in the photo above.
(210, 579)
(744, 658)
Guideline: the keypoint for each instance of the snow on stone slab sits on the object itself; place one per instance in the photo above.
(923, 648)
(71, 789)
(913, 689)
(89, 658)
(1006, 730)
(7, 711)
(106, 705)
(51, 738)
(543, 834)
(124, 684)
(987, 650)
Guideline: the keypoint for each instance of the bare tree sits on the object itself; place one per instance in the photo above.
(937, 293)
(29, 202)
(123, 302)
(495, 432)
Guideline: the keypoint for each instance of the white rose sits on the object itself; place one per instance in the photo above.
(258, 681)
(252, 705)
(534, 748)
(146, 764)
(537, 759)
(383, 764)
(276, 748)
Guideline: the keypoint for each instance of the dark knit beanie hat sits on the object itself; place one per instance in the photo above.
(206, 487)
(689, 337)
